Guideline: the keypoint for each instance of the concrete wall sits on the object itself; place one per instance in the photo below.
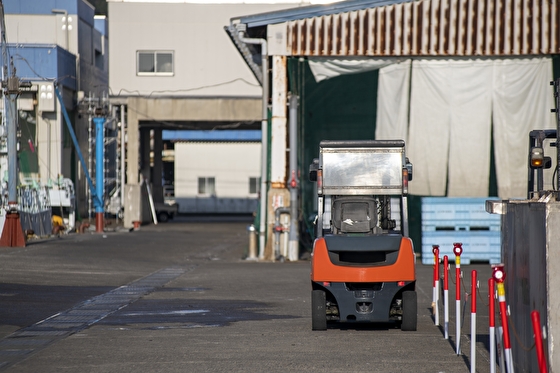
(231, 164)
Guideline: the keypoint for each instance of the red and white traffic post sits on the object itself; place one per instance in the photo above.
(445, 297)
(541, 358)
(492, 324)
(435, 296)
(474, 287)
(458, 250)
(499, 276)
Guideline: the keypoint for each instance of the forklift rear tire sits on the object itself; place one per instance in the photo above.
(163, 217)
(410, 311)
(318, 310)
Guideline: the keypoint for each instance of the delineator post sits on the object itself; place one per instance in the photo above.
(445, 297)
(435, 301)
(500, 276)
(458, 250)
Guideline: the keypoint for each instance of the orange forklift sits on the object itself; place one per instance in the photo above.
(363, 262)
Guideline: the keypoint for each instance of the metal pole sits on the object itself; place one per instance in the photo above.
(556, 110)
(122, 159)
(264, 138)
(11, 119)
(12, 234)
(99, 174)
(90, 152)
(293, 252)
(264, 156)
(10, 111)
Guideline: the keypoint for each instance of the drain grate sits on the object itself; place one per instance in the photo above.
(26, 341)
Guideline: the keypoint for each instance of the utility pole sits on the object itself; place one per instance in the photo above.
(12, 233)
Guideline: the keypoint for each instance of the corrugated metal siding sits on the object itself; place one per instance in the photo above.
(432, 27)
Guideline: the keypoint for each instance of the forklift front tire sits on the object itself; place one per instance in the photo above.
(318, 310)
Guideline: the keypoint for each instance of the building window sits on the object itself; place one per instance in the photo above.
(207, 185)
(154, 63)
(254, 183)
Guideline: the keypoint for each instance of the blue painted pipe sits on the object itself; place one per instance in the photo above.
(99, 158)
(94, 195)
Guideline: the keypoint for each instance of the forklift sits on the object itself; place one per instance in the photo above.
(363, 262)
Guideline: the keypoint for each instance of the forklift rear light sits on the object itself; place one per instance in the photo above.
(326, 284)
(320, 182)
(405, 180)
(400, 284)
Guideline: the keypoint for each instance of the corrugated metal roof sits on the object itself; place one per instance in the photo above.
(432, 28)
(417, 28)
(222, 135)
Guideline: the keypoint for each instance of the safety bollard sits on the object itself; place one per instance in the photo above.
(499, 276)
(474, 286)
(458, 250)
(492, 325)
(435, 304)
(536, 319)
(445, 297)
(500, 348)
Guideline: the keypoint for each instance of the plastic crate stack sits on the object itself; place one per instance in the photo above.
(448, 220)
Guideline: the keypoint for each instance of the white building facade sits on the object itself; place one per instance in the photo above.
(217, 177)
(173, 66)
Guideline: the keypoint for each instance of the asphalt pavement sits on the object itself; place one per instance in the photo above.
(179, 297)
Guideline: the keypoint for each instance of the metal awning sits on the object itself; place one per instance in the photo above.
(376, 28)
(268, 18)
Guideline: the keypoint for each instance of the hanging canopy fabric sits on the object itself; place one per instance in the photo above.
(446, 110)
(522, 99)
(450, 123)
(393, 101)
(330, 67)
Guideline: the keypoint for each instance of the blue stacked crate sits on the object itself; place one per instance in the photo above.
(449, 220)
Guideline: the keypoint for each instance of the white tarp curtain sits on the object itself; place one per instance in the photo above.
(327, 67)
(392, 101)
(445, 109)
(522, 99)
(449, 127)
(454, 104)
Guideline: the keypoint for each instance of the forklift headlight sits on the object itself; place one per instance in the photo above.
(537, 158)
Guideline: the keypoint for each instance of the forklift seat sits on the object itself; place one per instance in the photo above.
(355, 214)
